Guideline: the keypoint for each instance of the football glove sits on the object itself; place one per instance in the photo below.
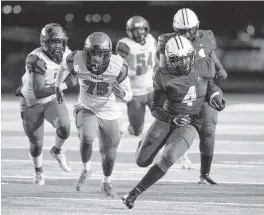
(221, 74)
(182, 120)
(18, 92)
(70, 81)
(217, 102)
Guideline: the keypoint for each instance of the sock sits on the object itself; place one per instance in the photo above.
(106, 179)
(86, 152)
(37, 162)
(206, 161)
(87, 166)
(59, 142)
(152, 176)
(107, 167)
(56, 150)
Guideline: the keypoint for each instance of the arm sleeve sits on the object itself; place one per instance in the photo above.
(124, 82)
(159, 98)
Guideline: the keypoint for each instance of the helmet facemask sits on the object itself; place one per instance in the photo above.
(181, 65)
(97, 58)
(55, 48)
(190, 33)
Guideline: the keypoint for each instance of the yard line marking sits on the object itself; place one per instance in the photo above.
(146, 201)
(231, 165)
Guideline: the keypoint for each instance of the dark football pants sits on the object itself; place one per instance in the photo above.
(33, 121)
(177, 140)
(136, 109)
(89, 125)
(207, 131)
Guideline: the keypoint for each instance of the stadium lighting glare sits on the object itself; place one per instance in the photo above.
(250, 29)
(106, 18)
(89, 18)
(96, 18)
(69, 17)
(17, 9)
(7, 9)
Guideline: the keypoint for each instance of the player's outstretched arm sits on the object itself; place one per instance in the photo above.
(220, 71)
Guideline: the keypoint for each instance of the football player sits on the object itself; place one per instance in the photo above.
(180, 88)
(186, 23)
(102, 77)
(139, 49)
(38, 100)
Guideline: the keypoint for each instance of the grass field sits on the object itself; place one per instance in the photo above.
(238, 167)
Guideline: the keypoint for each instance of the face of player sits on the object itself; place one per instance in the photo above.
(181, 64)
(56, 47)
(139, 35)
(189, 33)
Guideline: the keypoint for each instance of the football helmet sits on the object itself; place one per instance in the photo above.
(97, 51)
(137, 29)
(53, 40)
(179, 54)
(186, 23)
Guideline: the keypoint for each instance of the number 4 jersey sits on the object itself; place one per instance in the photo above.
(185, 94)
(96, 89)
(141, 61)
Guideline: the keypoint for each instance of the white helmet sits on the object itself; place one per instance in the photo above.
(179, 54)
(186, 23)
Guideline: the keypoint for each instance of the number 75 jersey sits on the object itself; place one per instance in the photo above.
(141, 60)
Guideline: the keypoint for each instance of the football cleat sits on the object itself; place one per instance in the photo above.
(62, 160)
(205, 179)
(108, 189)
(83, 179)
(38, 179)
(185, 162)
(129, 199)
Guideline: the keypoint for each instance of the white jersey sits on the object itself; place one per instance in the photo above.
(96, 90)
(141, 61)
(49, 68)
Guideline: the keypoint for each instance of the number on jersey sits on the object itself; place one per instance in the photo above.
(97, 88)
(190, 96)
(143, 62)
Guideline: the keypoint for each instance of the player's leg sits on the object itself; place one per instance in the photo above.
(207, 142)
(87, 125)
(179, 141)
(33, 124)
(152, 142)
(58, 115)
(136, 115)
(186, 163)
(109, 138)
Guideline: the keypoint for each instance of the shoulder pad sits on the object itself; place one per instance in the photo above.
(205, 67)
(122, 49)
(208, 34)
(69, 63)
(35, 64)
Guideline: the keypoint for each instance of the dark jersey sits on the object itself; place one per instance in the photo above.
(183, 94)
(203, 45)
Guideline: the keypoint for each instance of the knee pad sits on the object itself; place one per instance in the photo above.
(136, 131)
(164, 164)
(63, 132)
(35, 149)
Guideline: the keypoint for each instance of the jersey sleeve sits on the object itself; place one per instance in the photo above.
(35, 64)
(122, 49)
(161, 44)
(69, 63)
(211, 39)
(123, 73)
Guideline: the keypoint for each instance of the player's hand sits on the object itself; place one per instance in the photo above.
(182, 120)
(18, 92)
(70, 81)
(120, 93)
(59, 95)
(221, 74)
(218, 103)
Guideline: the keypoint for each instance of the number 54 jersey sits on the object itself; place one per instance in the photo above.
(185, 94)
(141, 61)
(96, 89)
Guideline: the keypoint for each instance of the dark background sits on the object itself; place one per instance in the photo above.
(238, 28)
